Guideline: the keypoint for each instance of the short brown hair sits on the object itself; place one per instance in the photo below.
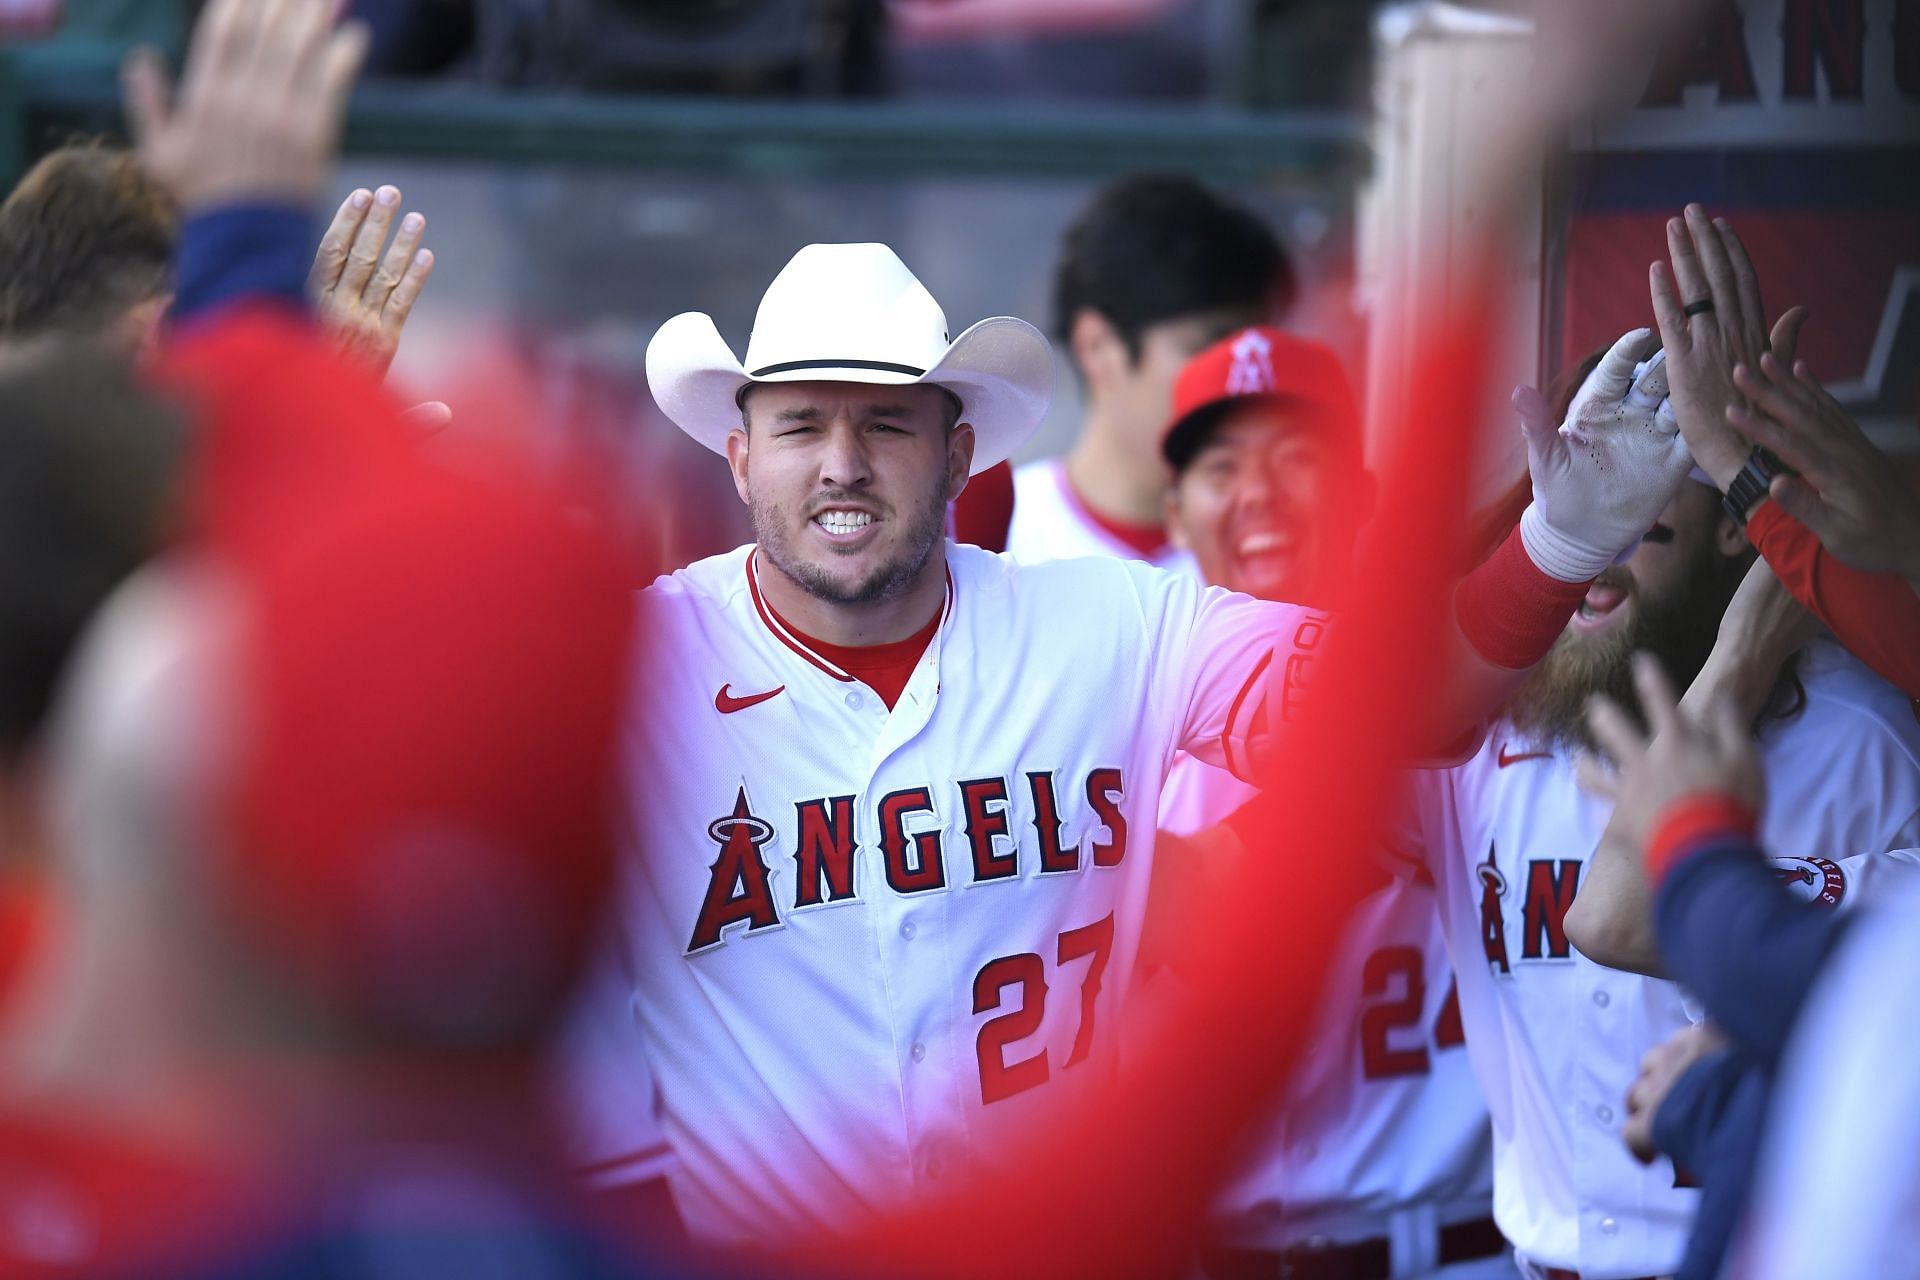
(88, 463)
(86, 236)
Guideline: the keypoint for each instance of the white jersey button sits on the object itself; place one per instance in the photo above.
(1602, 999)
(919, 1052)
(853, 697)
(908, 929)
(1608, 1227)
(1603, 1114)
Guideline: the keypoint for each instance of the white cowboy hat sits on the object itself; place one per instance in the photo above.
(854, 313)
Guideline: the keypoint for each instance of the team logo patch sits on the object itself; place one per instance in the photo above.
(1252, 371)
(1815, 880)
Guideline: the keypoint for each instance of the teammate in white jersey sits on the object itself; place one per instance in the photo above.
(1554, 1037)
(1152, 271)
(883, 898)
(1379, 1161)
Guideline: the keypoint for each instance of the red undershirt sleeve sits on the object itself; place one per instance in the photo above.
(1875, 615)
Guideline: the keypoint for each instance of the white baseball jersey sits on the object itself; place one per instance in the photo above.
(1556, 1039)
(1383, 1119)
(865, 944)
(1051, 523)
(1838, 1188)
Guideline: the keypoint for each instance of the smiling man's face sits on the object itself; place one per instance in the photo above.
(848, 483)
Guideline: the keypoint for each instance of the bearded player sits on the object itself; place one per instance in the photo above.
(892, 801)
(1509, 839)
(1378, 1163)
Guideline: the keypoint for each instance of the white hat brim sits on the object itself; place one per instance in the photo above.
(1001, 369)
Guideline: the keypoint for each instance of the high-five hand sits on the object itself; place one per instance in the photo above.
(1713, 322)
(1847, 492)
(362, 295)
(1602, 477)
(259, 109)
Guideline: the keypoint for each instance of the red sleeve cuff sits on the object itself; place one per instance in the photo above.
(1690, 823)
(1510, 610)
(1762, 519)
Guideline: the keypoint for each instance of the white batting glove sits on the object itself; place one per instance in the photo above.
(1601, 478)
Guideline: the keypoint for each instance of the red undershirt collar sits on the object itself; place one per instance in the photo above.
(884, 668)
(1147, 541)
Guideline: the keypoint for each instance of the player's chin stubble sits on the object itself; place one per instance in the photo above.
(925, 529)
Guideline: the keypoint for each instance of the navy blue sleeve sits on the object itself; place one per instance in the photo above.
(1742, 944)
(241, 253)
(1690, 1114)
(1710, 1123)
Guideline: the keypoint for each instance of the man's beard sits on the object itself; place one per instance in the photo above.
(926, 529)
(1679, 628)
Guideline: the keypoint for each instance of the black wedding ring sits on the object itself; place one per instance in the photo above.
(1698, 308)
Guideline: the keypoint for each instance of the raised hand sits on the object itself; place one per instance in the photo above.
(361, 295)
(259, 109)
(1710, 316)
(1848, 492)
(1602, 477)
(1675, 755)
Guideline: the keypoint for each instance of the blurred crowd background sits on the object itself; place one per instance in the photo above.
(583, 188)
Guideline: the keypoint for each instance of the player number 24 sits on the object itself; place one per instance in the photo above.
(1000, 1078)
(1381, 1055)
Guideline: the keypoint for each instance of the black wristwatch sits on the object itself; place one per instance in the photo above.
(1744, 494)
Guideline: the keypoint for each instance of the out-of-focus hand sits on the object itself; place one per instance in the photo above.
(1601, 478)
(361, 295)
(1848, 492)
(1660, 1070)
(1674, 756)
(1711, 266)
(259, 108)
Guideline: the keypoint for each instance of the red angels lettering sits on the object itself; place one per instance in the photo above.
(925, 870)
(985, 825)
(1717, 56)
(825, 857)
(1046, 822)
(1550, 890)
(1493, 925)
(1833, 32)
(738, 890)
(1104, 789)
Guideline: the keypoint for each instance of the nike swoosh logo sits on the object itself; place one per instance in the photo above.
(1505, 759)
(726, 704)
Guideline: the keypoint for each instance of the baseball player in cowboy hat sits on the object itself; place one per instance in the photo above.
(885, 792)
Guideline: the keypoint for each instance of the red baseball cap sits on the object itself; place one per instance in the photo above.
(1255, 363)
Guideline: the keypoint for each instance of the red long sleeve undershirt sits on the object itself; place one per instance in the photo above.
(1875, 615)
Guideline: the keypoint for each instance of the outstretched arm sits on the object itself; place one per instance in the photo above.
(1611, 920)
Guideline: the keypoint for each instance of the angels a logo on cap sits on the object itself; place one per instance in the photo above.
(1252, 370)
